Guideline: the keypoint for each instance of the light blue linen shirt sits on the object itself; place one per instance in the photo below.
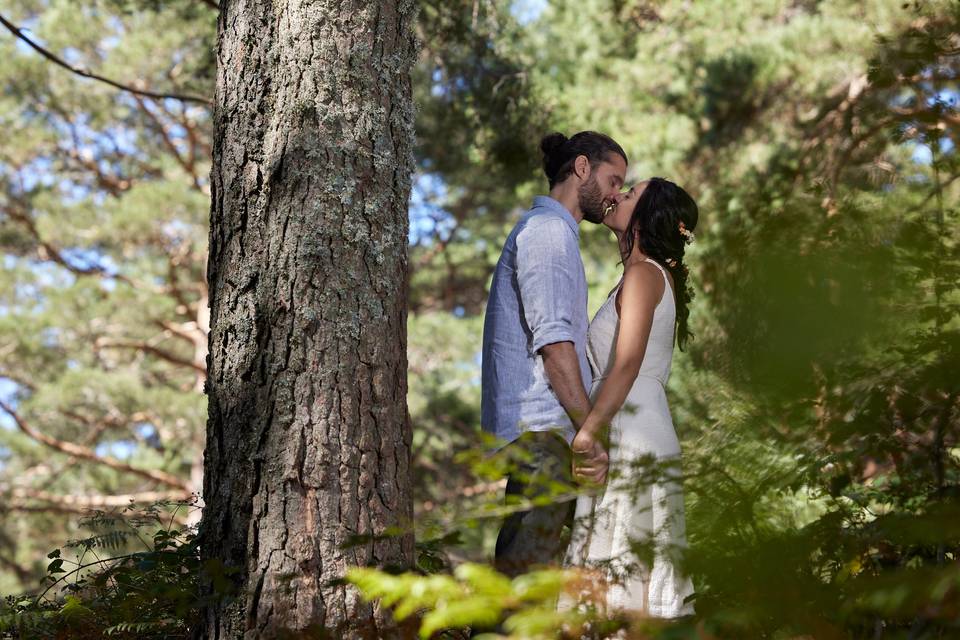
(538, 296)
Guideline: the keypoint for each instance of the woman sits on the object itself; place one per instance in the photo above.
(630, 347)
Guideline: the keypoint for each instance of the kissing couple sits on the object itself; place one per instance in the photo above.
(577, 403)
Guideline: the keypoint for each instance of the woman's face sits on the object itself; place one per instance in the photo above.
(619, 218)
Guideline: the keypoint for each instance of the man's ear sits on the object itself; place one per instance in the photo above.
(581, 167)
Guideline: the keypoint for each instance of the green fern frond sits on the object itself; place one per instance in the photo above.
(138, 627)
(111, 540)
(22, 621)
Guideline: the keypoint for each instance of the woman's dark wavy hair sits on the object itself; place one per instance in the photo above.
(559, 152)
(657, 216)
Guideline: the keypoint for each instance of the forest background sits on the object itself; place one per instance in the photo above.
(817, 405)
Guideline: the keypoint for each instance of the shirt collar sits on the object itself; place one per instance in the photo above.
(553, 205)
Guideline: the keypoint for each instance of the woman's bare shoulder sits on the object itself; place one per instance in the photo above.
(642, 282)
(643, 274)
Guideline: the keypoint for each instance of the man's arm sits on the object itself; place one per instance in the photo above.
(590, 459)
(563, 371)
(548, 262)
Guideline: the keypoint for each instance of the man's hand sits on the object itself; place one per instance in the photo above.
(590, 459)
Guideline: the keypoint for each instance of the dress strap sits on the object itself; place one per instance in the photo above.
(616, 288)
(658, 266)
(666, 280)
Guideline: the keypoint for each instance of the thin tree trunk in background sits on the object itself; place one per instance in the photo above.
(308, 440)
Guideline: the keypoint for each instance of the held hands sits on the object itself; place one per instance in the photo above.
(590, 459)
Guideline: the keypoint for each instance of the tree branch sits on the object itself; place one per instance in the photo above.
(86, 74)
(164, 132)
(174, 260)
(23, 494)
(24, 574)
(47, 251)
(198, 142)
(97, 427)
(86, 453)
(23, 382)
(188, 331)
(149, 348)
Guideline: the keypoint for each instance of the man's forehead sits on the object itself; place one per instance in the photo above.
(615, 164)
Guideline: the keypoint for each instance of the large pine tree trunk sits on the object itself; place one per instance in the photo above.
(308, 441)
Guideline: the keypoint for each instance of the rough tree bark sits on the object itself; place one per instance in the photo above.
(308, 440)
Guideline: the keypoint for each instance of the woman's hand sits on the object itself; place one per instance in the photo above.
(590, 459)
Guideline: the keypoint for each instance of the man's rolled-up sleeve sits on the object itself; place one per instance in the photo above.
(548, 262)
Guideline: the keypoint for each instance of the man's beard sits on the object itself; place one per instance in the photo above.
(590, 199)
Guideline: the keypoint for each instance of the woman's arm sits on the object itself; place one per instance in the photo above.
(642, 289)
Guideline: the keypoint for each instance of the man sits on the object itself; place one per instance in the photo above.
(535, 370)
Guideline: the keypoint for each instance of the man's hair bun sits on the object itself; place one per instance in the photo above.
(551, 144)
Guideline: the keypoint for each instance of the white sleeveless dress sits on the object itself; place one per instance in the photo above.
(639, 509)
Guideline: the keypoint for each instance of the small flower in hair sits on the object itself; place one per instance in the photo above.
(688, 235)
(671, 263)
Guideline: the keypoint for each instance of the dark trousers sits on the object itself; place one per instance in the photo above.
(541, 467)
(540, 462)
